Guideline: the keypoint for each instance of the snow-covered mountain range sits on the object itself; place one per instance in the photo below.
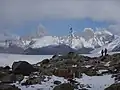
(95, 41)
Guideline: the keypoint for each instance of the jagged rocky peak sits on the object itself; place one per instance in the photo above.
(89, 38)
(7, 39)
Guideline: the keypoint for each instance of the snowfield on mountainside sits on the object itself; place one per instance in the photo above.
(96, 40)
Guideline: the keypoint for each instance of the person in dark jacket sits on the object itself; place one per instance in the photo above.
(102, 52)
(106, 51)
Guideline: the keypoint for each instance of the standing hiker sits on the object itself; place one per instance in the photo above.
(106, 51)
(102, 52)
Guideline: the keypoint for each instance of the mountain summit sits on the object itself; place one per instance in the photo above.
(88, 40)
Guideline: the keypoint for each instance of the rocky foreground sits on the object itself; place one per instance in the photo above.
(64, 72)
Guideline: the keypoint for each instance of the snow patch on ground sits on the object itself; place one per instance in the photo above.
(97, 82)
(101, 71)
(88, 66)
(48, 85)
(107, 64)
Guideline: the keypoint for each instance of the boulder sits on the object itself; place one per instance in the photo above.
(64, 86)
(114, 87)
(7, 67)
(45, 61)
(22, 67)
(57, 82)
(91, 72)
(63, 73)
(55, 56)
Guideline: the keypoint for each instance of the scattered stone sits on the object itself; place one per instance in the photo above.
(45, 61)
(114, 87)
(19, 78)
(63, 73)
(10, 78)
(91, 73)
(7, 68)
(75, 86)
(8, 87)
(88, 86)
(31, 80)
(57, 82)
(69, 66)
(72, 81)
(55, 57)
(83, 89)
(65, 86)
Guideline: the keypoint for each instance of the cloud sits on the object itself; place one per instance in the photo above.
(15, 12)
(34, 9)
(115, 29)
(88, 33)
(41, 31)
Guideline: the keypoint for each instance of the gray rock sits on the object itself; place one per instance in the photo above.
(114, 87)
(83, 89)
(22, 67)
(33, 80)
(57, 82)
(19, 78)
(65, 86)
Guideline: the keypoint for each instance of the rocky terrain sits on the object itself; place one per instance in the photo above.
(62, 72)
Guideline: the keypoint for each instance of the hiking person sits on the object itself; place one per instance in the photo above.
(106, 51)
(102, 52)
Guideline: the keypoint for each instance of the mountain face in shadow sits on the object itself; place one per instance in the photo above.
(13, 49)
(50, 50)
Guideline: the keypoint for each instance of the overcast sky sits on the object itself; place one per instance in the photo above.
(14, 13)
